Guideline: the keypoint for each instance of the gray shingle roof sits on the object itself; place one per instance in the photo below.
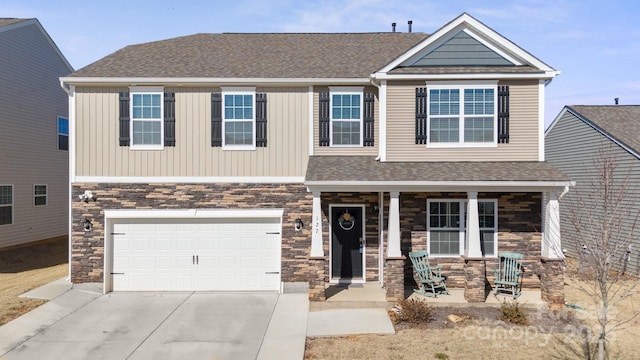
(9, 21)
(319, 55)
(621, 122)
(366, 168)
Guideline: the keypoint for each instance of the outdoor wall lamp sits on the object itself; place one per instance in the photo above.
(298, 225)
(88, 195)
(86, 223)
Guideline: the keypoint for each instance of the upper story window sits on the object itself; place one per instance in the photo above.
(462, 115)
(238, 119)
(6, 204)
(146, 119)
(63, 133)
(39, 195)
(447, 227)
(346, 116)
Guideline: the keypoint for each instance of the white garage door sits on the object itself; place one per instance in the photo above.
(196, 254)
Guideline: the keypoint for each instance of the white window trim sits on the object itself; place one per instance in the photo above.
(239, 91)
(356, 90)
(59, 133)
(12, 205)
(462, 227)
(146, 90)
(46, 194)
(461, 86)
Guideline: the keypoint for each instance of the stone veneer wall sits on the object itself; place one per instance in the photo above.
(519, 230)
(87, 248)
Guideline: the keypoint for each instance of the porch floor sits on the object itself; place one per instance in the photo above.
(529, 298)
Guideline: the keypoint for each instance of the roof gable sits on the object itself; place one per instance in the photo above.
(466, 42)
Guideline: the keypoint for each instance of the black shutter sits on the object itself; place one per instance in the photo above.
(503, 114)
(421, 115)
(261, 120)
(323, 109)
(169, 119)
(216, 119)
(124, 119)
(369, 103)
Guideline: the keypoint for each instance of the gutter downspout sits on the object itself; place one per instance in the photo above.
(70, 93)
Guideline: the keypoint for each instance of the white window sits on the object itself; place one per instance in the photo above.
(446, 224)
(63, 133)
(346, 116)
(6, 204)
(146, 119)
(39, 195)
(462, 115)
(238, 119)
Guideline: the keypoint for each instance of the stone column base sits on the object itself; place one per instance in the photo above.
(394, 278)
(552, 281)
(317, 279)
(474, 280)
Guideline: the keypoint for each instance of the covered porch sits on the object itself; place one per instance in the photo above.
(399, 208)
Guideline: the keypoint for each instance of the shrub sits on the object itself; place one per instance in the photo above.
(514, 313)
(412, 311)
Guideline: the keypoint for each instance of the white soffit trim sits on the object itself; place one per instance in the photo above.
(193, 214)
(497, 186)
(463, 76)
(467, 21)
(179, 81)
(191, 179)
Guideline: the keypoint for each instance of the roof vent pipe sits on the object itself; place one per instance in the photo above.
(393, 27)
(410, 22)
(616, 100)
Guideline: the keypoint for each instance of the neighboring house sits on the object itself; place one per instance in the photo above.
(288, 161)
(577, 139)
(34, 160)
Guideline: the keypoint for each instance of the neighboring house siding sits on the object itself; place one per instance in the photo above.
(523, 128)
(31, 99)
(571, 145)
(99, 153)
(337, 150)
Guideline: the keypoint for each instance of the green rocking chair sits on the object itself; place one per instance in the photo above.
(508, 275)
(430, 277)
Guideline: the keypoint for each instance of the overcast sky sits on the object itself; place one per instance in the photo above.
(595, 44)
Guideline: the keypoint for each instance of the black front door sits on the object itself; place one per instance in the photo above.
(346, 242)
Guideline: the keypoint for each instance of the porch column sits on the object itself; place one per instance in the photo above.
(551, 246)
(317, 250)
(393, 246)
(473, 249)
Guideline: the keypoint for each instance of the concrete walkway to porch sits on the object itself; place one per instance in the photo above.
(349, 310)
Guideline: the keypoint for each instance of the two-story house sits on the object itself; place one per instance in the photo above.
(34, 182)
(293, 161)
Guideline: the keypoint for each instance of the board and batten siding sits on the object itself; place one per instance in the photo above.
(523, 127)
(344, 150)
(31, 100)
(99, 154)
(572, 145)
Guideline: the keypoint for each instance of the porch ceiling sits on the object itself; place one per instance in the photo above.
(364, 173)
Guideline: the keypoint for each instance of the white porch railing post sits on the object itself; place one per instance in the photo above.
(316, 230)
(393, 247)
(473, 249)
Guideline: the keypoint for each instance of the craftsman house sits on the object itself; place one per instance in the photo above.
(293, 161)
(578, 140)
(34, 173)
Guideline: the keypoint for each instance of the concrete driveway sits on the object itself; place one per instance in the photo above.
(166, 326)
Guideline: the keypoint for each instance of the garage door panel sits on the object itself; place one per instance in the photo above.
(232, 254)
